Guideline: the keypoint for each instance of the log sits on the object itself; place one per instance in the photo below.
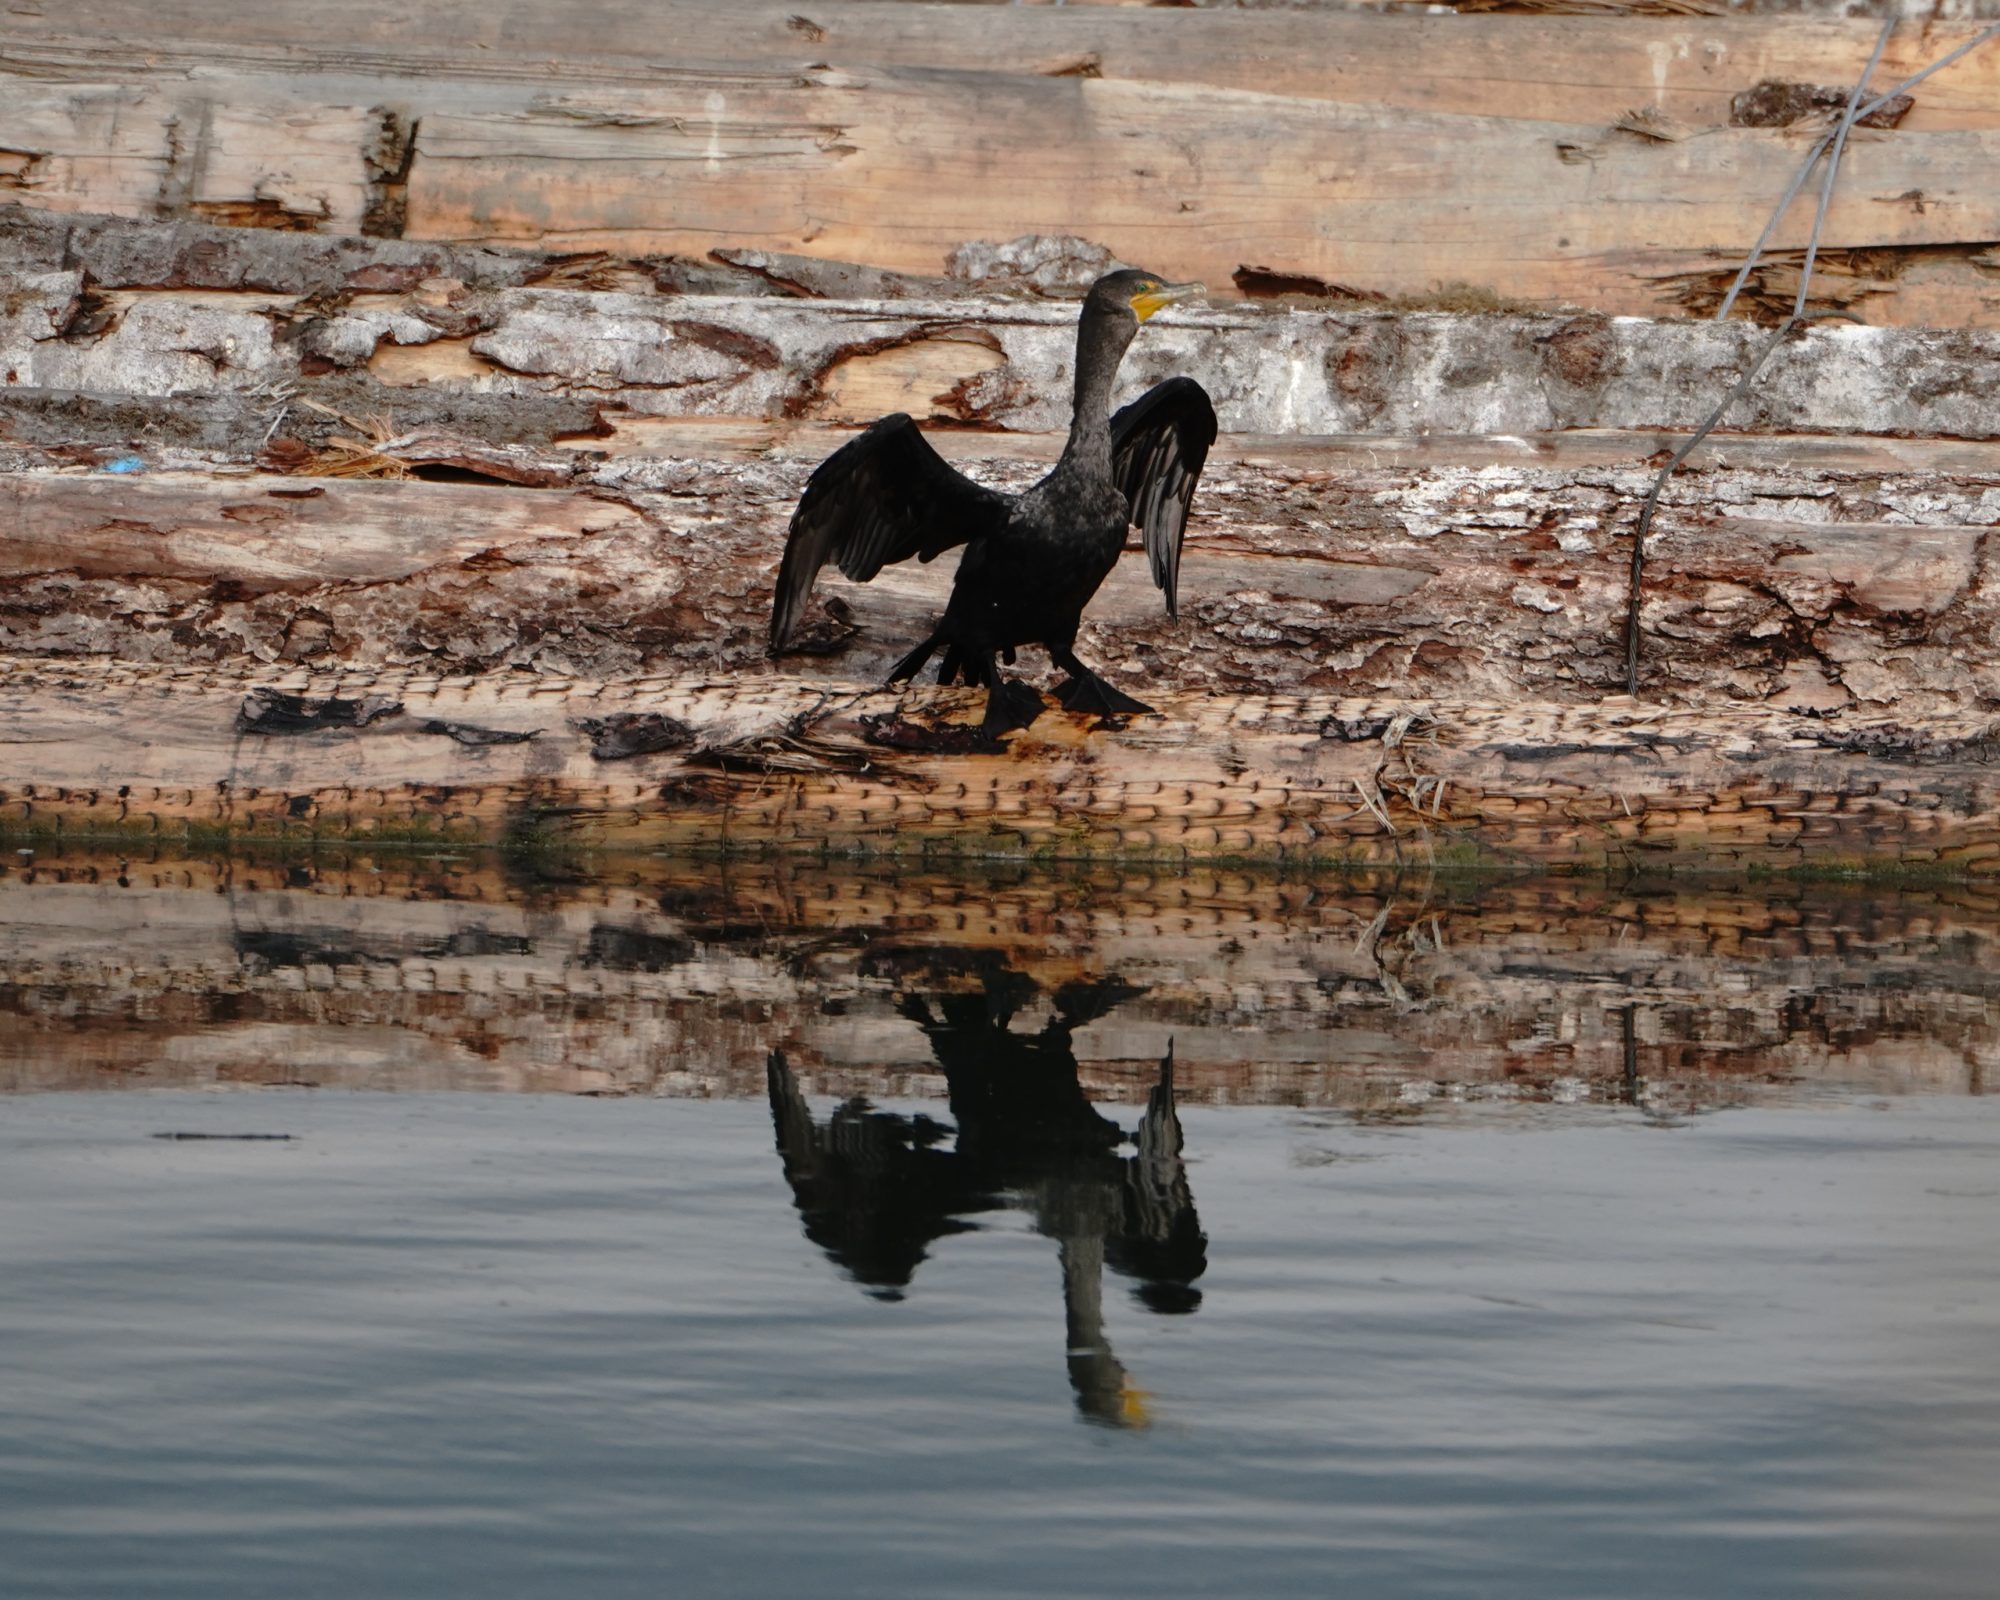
(762, 765)
(1390, 997)
(1551, 214)
(116, 147)
(262, 535)
(1498, 152)
(583, 362)
(1546, 68)
(1846, 584)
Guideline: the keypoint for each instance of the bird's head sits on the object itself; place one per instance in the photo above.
(1135, 293)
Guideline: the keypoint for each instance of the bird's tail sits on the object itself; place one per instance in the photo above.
(913, 663)
(958, 667)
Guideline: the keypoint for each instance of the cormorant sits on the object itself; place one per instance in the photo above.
(1032, 560)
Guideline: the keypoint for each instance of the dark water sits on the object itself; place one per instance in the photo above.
(1543, 1283)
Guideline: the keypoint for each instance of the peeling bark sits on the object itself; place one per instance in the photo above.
(1840, 588)
(1271, 369)
(236, 428)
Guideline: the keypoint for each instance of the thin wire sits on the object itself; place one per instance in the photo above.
(1838, 145)
(1820, 148)
(1777, 215)
(1637, 578)
(1840, 132)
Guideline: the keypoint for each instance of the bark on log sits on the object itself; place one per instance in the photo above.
(983, 362)
(1444, 578)
(1849, 589)
(1389, 998)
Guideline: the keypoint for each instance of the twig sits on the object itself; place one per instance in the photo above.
(1836, 145)
(379, 428)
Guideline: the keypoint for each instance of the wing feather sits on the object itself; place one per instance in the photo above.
(1158, 445)
(882, 497)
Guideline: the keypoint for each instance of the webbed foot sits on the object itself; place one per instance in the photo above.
(1087, 692)
(1010, 704)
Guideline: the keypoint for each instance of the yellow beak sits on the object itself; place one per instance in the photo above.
(1147, 301)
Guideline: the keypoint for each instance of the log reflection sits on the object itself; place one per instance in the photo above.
(875, 1188)
(1389, 996)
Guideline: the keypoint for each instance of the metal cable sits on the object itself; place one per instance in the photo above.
(1836, 142)
(1826, 139)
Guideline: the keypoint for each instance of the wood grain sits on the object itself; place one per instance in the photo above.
(1176, 178)
(1309, 779)
(1359, 153)
(265, 534)
(1554, 69)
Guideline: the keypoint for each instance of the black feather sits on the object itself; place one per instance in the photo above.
(882, 497)
(1158, 445)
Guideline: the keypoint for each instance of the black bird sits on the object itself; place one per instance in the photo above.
(1032, 560)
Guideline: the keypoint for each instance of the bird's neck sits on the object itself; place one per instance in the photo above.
(1100, 346)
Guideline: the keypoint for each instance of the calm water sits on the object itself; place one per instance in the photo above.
(848, 1237)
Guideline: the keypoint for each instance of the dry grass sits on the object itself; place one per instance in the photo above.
(1600, 8)
(1472, 299)
(358, 456)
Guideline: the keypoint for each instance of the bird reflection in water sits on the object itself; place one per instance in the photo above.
(875, 1188)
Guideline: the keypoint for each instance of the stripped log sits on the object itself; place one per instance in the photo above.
(1605, 165)
(1531, 67)
(121, 148)
(1388, 998)
(1546, 213)
(773, 765)
(263, 534)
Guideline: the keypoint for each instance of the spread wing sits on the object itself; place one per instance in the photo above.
(882, 497)
(1158, 444)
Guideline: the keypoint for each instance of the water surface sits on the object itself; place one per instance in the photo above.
(1526, 1240)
